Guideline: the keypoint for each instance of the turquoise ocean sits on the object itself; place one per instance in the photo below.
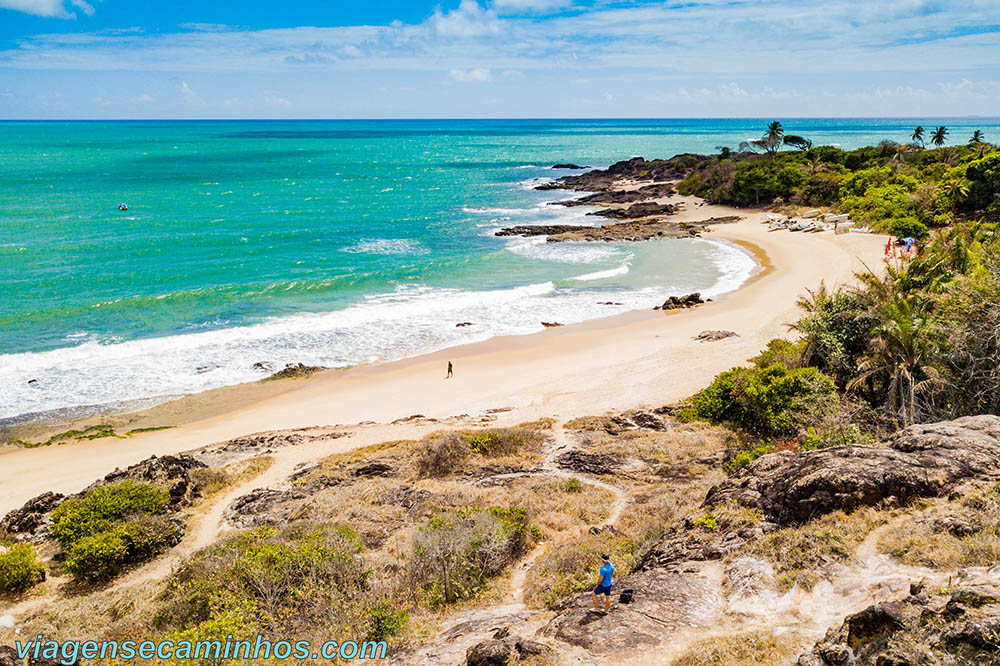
(328, 243)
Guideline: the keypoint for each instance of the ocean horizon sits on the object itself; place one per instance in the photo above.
(326, 242)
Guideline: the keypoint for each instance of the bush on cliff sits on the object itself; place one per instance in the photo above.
(455, 554)
(20, 569)
(111, 527)
(770, 401)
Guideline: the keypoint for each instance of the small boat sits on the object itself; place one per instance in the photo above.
(122, 206)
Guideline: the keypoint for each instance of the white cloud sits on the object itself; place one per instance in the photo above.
(474, 75)
(187, 93)
(469, 20)
(528, 6)
(142, 99)
(48, 8)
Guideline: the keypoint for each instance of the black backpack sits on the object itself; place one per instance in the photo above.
(625, 597)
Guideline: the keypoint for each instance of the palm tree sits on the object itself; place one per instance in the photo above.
(918, 136)
(956, 189)
(977, 138)
(939, 136)
(901, 357)
(771, 140)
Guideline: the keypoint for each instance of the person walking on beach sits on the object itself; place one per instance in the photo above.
(451, 371)
(604, 576)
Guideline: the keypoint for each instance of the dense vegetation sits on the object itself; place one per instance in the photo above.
(918, 344)
(20, 569)
(111, 527)
(902, 189)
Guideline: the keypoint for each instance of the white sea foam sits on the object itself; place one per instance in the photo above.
(386, 246)
(603, 275)
(538, 248)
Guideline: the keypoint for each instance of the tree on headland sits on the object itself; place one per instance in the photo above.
(798, 142)
(771, 140)
(977, 138)
(939, 136)
(918, 136)
(724, 152)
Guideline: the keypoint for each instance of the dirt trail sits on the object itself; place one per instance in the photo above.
(471, 627)
(206, 528)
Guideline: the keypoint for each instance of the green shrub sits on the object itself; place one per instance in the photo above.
(824, 438)
(20, 569)
(903, 227)
(574, 485)
(267, 577)
(102, 507)
(103, 555)
(385, 621)
(744, 458)
(771, 401)
(441, 454)
(502, 441)
(708, 521)
(455, 554)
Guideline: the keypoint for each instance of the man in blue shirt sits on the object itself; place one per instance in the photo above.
(604, 584)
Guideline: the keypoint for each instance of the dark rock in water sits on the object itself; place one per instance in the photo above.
(642, 209)
(293, 370)
(919, 461)
(551, 324)
(926, 629)
(664, 603)
(463, 324)
(681, 302)
(8, 656)
(263, 366)
(609, 303)
(202, 369)
(589, 463)
(631, 231)
(31, 521)
(32, 382)
(715, 336)
(569, 166)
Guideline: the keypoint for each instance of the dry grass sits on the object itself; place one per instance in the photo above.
(801, 554)
(947, 535)
(214, 480)
(682, 445)
(757, 647)
(570, 566)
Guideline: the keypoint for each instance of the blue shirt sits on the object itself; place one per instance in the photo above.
(606, 572)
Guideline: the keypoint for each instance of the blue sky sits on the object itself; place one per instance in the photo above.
(498, 58)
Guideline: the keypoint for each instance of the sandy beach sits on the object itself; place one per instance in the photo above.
(628, 361)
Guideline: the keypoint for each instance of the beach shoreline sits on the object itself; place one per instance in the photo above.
(631, 360)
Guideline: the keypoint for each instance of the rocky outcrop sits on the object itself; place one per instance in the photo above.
(664, 602)
(505, 651)
(635, 169)
(715, 336)
(619, 232)
(263, 506)
(293, 370)
(589, 463)
(681, 302)
(919, 461)
(574, 167)
(638, 210)
(8, 656)
(172, 473)
(622, 196)
(31, 521)
(262, 442)
(926, 628)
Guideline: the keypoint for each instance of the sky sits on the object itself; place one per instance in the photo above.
(498, 58)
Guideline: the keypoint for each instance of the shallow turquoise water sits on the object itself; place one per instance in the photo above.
(324, 242)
